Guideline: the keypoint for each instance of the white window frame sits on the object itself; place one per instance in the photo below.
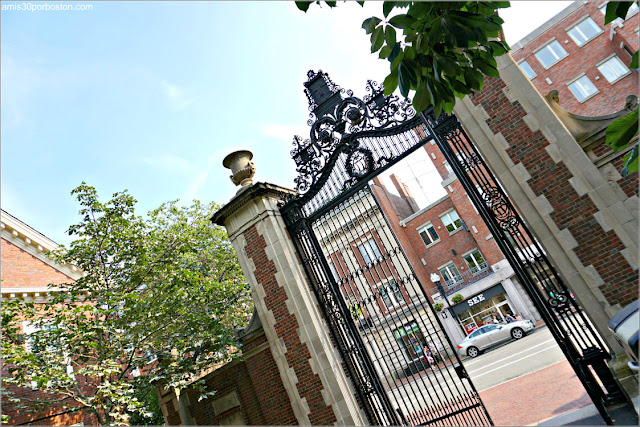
(524, 61)
(475, 262)
(372, 254)
(546, 45)
(576, 26)
(425, 229)
(447, 267)
(587, 97)
(395, 296)
(447, 214)
(608, 59)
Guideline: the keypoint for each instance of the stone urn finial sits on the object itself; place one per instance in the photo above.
(242, 168)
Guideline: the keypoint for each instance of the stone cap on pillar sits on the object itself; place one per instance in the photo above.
(244, 196)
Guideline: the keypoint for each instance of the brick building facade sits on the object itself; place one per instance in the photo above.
(583, 59)
(26, 272)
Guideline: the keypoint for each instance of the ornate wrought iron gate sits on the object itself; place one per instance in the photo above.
(404, 368)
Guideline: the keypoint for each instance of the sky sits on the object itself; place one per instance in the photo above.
(151, 96)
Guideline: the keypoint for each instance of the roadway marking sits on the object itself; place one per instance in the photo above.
(511, 363)
(512, 355)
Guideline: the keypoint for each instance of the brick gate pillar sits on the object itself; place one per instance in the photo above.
(308, 364)
(585, 222)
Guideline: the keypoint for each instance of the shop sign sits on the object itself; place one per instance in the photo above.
(486, 295)
(475, 300)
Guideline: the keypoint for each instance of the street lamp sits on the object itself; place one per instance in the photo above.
(435, 278)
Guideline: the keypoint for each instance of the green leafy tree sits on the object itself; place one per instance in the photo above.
(621, 132)
(165, 287)
(440, 51)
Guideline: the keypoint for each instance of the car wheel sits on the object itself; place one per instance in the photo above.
(517, 333)
(473, 351)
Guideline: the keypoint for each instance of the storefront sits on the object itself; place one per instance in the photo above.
(479, 309)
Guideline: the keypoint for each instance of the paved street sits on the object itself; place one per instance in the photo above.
(535, 351)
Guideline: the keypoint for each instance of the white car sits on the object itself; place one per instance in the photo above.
(493, 334)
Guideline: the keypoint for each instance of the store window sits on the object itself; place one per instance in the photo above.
(428, 234)
(584, 31)
(551, 54)
(369, 251)
(613, 69)
(481, 310)
(475, 261)
(450, 274)
(582, 88)
(451, 221)
(410, 340)
(527, 70)
(391, 294)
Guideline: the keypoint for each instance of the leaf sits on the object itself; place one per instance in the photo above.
(610, 12)
(406, 77)
(384, 52)
(390, 35)
(387, 6)
(370, 24)
(499, 48)
(331, 3)
(622, 8)
(630, 162)
(473, 78)
(487, 69)
(422, 98)
(402, 21)
(620, 132)
(303, 5)
(395, 51)
(634, 61)
(377, 39)
(390, 83)
(361, 3)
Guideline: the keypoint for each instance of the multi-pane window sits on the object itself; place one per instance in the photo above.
(584, 31)
(450, 274)
(429, 234)
(582, 88)
(613, 69)
(526, 68)
(410, 340)
(452, 221)
(391, 294)
(369, 251)
(475, 261)
(551, 53)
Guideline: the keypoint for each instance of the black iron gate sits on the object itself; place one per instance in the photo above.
(404, 368)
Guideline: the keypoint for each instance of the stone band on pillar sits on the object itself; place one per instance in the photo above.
(310, 369)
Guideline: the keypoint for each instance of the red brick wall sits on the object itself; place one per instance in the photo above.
(309, 385)
(584, 60)
(22, 269)
(573, 212)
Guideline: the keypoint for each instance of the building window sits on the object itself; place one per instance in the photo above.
(369, 251)
(582, 88)
(613, 69)
(452, 221)
(584, 31)
(391, 294)
(450, 274)
(526, 68)
(550, 54)
(410, 340)
(429, 235)
(333, 271)
(475, 261)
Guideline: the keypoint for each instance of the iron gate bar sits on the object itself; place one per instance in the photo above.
(448, 135)
(475, 418)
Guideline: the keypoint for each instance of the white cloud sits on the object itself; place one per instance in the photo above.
(177, 96)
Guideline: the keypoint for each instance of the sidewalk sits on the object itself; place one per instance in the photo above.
(550, 396)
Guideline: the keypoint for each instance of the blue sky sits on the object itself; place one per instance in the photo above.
(150, 96)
